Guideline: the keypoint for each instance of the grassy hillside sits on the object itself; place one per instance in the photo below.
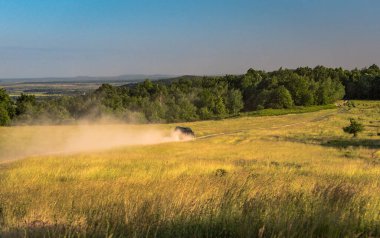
(278, 176)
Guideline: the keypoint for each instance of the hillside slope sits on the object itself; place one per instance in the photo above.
(292, 175)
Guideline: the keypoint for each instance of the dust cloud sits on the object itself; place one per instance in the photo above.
(25, 141)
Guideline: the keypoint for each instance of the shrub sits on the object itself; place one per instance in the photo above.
(220, 172)
(354, 127)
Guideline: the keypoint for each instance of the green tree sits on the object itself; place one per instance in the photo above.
(7, 110)
(329, 90)
(205, 113)
(280, 98)
(25, 104)
(220, 109)
(4, 116)
(110, 97)
(234, 101)
(251, 79)
(181, 110)
(153, 110)
(299, 88)
(261, 100)
(211, 104)
(354, 128)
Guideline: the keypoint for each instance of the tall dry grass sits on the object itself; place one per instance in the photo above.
(286, 176)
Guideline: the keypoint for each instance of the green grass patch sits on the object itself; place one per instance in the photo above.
(284, 111)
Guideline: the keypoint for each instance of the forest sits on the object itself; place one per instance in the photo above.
(191, 98)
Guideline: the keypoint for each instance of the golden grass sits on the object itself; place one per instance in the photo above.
(286, 176)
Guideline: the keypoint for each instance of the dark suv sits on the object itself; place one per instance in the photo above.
(185, 131)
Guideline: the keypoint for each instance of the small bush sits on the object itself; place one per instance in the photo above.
(275, 163)
(354, 127)
(220, 172)
(351, 104)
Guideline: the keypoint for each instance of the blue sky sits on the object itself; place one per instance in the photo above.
(43, 38)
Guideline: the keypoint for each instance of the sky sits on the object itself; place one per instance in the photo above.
(48, 38)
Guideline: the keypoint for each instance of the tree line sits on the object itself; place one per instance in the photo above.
(190, 98)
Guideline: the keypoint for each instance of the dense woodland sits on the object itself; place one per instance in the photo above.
(190, 98)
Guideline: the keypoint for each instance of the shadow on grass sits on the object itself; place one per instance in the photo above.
(327, 210)
(344, 143)
(335, 142)
(322, 223)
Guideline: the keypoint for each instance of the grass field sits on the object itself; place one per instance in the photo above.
(294, 175)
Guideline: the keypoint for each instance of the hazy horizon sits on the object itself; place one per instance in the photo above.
(130, 76)
(44, 39)
(163, 76)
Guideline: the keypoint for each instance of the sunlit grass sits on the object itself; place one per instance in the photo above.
(285, 176)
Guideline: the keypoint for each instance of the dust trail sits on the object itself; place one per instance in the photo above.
(21, 142)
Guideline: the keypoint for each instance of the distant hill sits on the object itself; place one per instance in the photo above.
(126, 77)
(169, 80)
(177, 78)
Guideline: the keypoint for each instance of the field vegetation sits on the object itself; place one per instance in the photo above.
(296, 175)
